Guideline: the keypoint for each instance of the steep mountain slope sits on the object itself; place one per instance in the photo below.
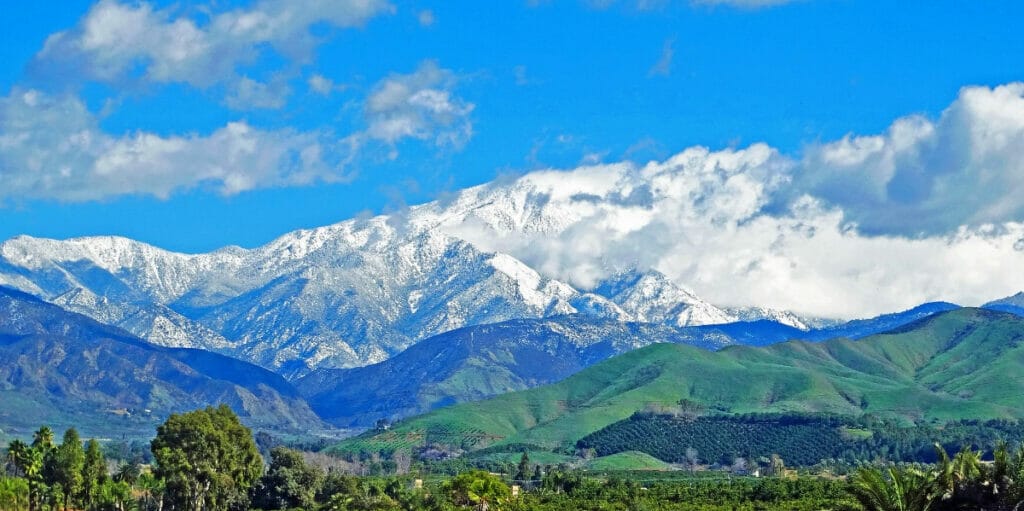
(63, 368)
(963, 363)
(864, 327)
(1012, 304)
(477, 362)
(651, 297)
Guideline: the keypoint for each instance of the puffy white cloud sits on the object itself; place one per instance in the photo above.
(52, 148)
(930, 210)
(116, 42)
(320, 84)
(249, 94)
(924, 176)
(420, 105)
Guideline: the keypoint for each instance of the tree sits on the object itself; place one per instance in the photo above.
(523, 470)
(13, 493)
(692, 458)
(288, 483)
(778, 467)
(152, 489)
(28, 461)
(94, 474)
(898, 489)
(477, 488)
(66, 470)
(207, 459)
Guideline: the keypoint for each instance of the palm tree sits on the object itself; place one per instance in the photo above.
(897, 489)
(13, 494)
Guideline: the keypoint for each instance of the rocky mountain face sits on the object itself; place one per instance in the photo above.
(344, 295)
(64, 368)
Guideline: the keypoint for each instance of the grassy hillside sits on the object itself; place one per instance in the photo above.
(474, 363)
(629, 460)
(959, 364)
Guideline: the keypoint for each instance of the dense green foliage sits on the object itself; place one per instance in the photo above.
(207, 459)
(955, 365)
(64, 476)
(800, 440)
(960, 482)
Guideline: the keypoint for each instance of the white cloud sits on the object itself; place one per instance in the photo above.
(755, 227)
(426, 17)
(420, 105)
(52, 148)
(322, 85)
(663, 67)
(924, 176)
(248, 94)
(117, 42)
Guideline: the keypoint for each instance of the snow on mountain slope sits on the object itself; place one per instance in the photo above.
(338, 296)
(782, 317)
(362, 290)
(652, 298)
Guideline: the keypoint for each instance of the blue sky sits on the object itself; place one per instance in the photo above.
(407, 100)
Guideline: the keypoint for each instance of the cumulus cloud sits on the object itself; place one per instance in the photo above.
(420, 105)
(117, 42)
(249, 94)
(700, 217)
(51, 147)
(926, 176)
(929, 210)
(322, 85)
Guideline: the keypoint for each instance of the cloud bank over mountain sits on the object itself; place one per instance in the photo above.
(929, 210)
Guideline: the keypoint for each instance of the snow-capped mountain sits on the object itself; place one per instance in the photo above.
(343, 295)
(784, 317)
(651, 297)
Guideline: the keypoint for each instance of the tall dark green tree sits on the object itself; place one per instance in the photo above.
(94, 474)
(288, 483)
(207, 459)
(523, 470)
(66, 467)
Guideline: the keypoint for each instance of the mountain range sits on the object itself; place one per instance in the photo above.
(395, 315)
(62, 368)
(963, 363)
(339, 296)
(472, 363)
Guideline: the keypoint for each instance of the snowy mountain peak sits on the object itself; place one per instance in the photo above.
(652, 297)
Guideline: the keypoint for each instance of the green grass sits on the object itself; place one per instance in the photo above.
(627, 461)
(961, 364)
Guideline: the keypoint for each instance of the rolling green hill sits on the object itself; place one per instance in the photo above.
(964, 363)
